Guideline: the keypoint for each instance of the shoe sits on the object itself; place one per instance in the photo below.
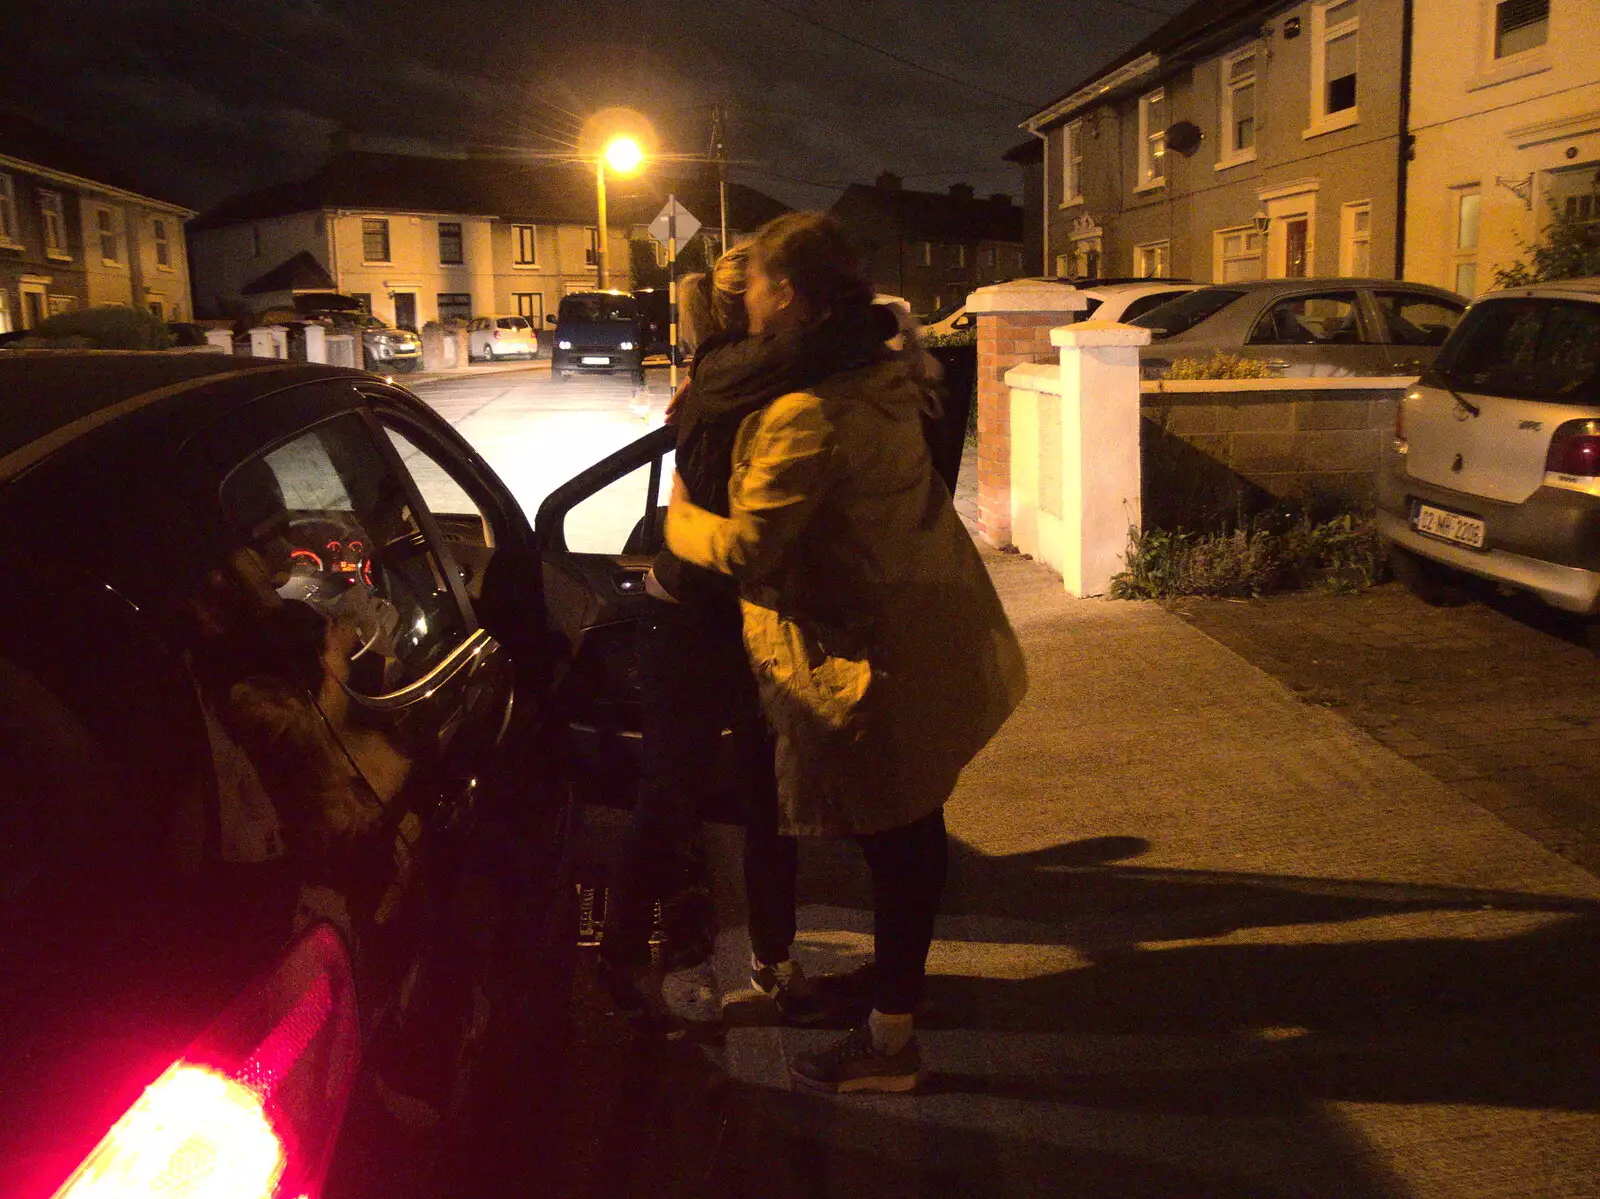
(789, 990)
(851, 1064)
(637, 996)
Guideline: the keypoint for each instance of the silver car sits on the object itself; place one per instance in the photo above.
(1496, 463)
(1305, 327)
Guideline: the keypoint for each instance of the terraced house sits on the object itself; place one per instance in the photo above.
(1243, 139)
(74, 235)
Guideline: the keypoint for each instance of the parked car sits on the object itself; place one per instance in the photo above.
(493, 337)
(1495, 471)
(1108, 301)
(598, 332)
(284, 839)
(383, 348)
(1305, 326)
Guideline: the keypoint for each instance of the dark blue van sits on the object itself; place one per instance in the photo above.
(598, 332)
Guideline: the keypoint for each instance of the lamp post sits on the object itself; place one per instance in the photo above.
(623, 155)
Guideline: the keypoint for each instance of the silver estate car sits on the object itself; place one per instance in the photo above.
(1305, 327)
(1495, 470)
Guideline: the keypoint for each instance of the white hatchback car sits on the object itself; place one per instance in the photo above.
(1107, 302)
(491, 337)
(1496, 463)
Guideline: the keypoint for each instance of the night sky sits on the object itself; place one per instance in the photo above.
(202, 100)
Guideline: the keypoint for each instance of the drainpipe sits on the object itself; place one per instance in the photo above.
(1044, 203)
(1406, 142)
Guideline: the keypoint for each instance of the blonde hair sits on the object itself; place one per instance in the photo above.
(713, 301)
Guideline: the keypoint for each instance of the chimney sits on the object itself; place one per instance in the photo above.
(889, 181)
(961, 191)
(1000, 199)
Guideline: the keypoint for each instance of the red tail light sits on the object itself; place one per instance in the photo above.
(497, 335)
(1400, 444)
(1575, 449)
(253, 1108)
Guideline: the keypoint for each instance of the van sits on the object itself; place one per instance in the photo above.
(597, 332)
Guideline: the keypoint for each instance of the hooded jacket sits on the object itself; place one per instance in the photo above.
(884, 658)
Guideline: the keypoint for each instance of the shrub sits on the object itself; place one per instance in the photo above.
(1344, 554)
(111, 327)
(1221, 365)
(1568, 249)
(960, 337)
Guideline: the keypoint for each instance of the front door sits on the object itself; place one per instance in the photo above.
(405, 310)
(32, 306)
(1294, 247)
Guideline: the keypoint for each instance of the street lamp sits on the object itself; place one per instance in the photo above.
(624, 156)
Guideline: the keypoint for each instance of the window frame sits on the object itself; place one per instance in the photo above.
(1072, 164)
(161, 241)
(367, 222)
(1350, 236)
(1322, 35)
(1230, 154)
(1465, 256)
(460, 239)
(1148, 139)
(957, 256)
(451, 299)
(591, 255)
(53, 216)
(1495, 9)
(105, 229)
(10, 225)
(1220, 258)
(1162, 251)
(1350, 296)
(517, 261)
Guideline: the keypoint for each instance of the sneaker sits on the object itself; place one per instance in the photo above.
(851, 1064)
(787, 986)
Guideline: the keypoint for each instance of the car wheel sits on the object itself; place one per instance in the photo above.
(488, 352)
(1431, 582)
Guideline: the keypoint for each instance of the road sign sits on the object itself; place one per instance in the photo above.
(688, 224)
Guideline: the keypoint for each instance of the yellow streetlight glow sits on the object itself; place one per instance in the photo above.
(623, 155)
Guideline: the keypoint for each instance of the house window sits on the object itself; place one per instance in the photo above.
(1469, 205)
(157, 311)
(255, 241)
(8, 212)
(991, 258)
(925, 253)
(55, 224)
(450, 243)
(363, 301)
(1336, 46)
(524, 246)
(374, 239)
(1086, 254)
(529, 304)
(1238, 254)
(1520, 25)
(158, 234)
(1575, 193)
(958, 256)
(1238, 108)
(1355, 239)
(108, 235)
(1063, 266)
(1150, 261)
(455, 306)
(1153, 139)
(60, 304)
(1072, 163)
(591, 255)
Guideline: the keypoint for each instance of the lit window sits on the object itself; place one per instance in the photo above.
(1153, 138)
(158, 235)
(55, 224)
(1355, 238)
(1520, 25)
(375, 239)
(927, 253)
(108, 235)
(1072, 163)
(1150, 261)
(1336, 53)
(450, 243)
(8, 211)
(524, 246)
(591, 255)
(1239, 107)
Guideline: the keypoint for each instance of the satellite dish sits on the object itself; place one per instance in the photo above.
(1184, 136)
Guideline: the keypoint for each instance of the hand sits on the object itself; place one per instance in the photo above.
(670, 417)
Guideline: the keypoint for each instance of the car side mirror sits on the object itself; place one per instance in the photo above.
(964, 321)
(549, 318)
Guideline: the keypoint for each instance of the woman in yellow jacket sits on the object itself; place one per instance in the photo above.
(883, 657)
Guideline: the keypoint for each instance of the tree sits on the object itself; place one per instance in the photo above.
(646, 271)
(1568, 248)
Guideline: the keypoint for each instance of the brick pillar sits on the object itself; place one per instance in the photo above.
(1014, 323)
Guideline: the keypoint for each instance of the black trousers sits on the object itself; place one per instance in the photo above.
(696, 682)
(908, 867)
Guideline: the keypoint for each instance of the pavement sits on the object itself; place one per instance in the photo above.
(1201, 938)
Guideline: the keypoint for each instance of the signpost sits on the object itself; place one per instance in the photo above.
(671, 223)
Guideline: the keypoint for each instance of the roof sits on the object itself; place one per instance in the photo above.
(1189, 32)
(558, 193)
(1588, 286)
(300, 273)
(67, 388)
(934, 216)
(26, 138)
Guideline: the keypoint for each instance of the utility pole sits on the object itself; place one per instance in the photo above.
(600, 243)
(672, 292)
(719, 152)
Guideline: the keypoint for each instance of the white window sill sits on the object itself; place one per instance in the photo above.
(1072, 202)
(164, 268)
(1153, 186)
(376, 262)
(1237, 160)
(1504, 70)
(8, 244)
(111, 262)
(1333, 123)
(524, 266)
(58, 255)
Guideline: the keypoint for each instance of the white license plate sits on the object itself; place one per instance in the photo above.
(1449, 526)
(595, 361)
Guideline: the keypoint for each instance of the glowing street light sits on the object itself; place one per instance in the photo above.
(624, 155)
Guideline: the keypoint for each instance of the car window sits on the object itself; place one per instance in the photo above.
(1328, 318)
(590, 308)
(461, 519)
(612, 519)
(1526, 348)
(512, 322)
(1144, 304)
(1417, 319)
(1187, 311)
(332, 529)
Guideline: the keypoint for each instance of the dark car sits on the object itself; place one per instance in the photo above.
(598, 332)
(288, 691)
(1372, 327)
